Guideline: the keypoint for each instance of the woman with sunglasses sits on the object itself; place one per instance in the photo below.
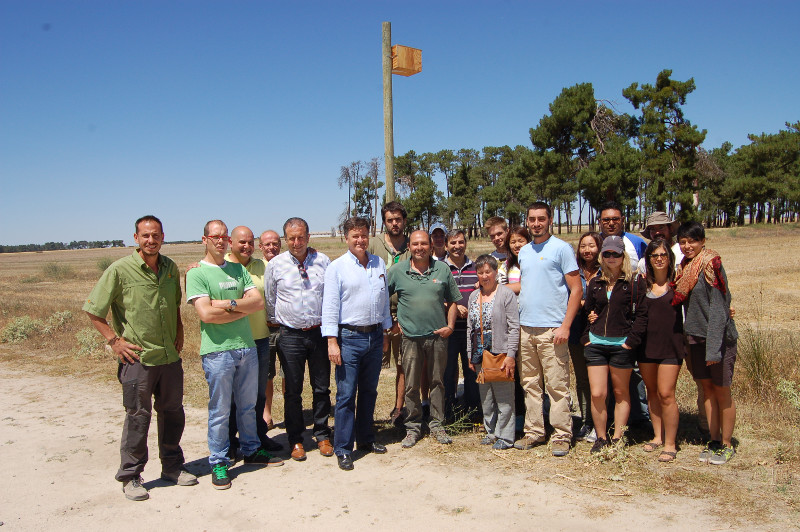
(662, 356)
(617, 298)
(588, 256)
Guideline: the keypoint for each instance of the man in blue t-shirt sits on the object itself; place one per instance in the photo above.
(549, 298)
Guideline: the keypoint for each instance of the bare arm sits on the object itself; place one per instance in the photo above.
(125, 351)
(447, 330)
(215, 311)
(561, 334)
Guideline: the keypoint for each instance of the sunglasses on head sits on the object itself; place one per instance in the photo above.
(611, 255)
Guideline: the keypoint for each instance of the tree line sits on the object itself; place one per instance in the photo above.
(584, 153)
(54, 246)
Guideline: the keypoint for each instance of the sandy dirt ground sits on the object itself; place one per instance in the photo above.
(60, 450)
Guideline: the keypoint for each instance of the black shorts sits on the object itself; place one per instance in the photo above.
(615, 356)
(668, 361)
(721, 373)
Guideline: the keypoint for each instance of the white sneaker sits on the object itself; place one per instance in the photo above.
(591, 437)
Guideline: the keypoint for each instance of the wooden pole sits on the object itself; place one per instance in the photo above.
(388, 125)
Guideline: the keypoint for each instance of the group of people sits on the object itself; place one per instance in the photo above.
(512, 319)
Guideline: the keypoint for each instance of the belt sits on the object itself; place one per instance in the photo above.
(361, 329)
(304, 329)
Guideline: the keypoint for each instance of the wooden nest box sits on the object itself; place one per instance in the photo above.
(406, 61)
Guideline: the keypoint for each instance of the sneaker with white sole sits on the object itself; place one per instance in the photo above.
(219, 476)
(180, 477)
(711, 448)
(591, 437)
(722, 455)
(134, 490)
(441, 436)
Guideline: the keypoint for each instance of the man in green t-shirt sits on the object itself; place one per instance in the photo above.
(223, 294)
(143, 291)
(426, 316)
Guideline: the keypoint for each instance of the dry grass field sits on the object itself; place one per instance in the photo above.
(44, 331)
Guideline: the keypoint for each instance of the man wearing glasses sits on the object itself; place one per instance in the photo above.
(223, 294)
(549, 299)
(293, 287)
(612, 223)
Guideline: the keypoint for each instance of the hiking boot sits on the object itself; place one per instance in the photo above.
(722, 455)
(598, 445)
(181, 477)
(219, 476)
(409, 441)
(527, 442)
(502, 445)
(708, 452)
(441, 436)
(261, 456)
(487, 440)
(559, 448)
(134, 490)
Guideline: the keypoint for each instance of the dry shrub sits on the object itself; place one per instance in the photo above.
(57, 271)
(24, 328)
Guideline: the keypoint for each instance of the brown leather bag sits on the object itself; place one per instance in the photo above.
(492, 365)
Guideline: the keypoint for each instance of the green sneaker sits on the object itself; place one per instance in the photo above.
(708, 452)
(722, 455)
(261, 456)
(219, 477)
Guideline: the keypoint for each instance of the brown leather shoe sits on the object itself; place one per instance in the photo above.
(298, 453)
(325, 447)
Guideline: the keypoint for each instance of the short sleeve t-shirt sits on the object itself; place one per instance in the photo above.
(258, 320)
(229, 281)
(543, 290)
(421, 297)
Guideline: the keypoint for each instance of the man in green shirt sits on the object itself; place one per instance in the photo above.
(143, 292)
(426, 316)
(223, 294)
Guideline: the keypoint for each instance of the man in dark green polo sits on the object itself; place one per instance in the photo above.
(426, 291)
(143, 291)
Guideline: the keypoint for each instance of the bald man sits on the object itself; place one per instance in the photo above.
(270, 246)
(241, 252)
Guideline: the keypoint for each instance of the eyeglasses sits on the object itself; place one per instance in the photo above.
(611, 255)
(658, 256)
(303, 272)
(216, 239)
(610, 219)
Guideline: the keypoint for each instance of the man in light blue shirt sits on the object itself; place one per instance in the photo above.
(293, 291)
(549, 298)
(355, 314)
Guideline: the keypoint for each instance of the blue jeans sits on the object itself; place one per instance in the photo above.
(262, 347)
(296, 348)
(457, 349)
(362, 355)
(235, 373)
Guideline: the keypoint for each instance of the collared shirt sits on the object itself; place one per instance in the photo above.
(466, 278)
(292, 300)
(258, 320)
(355, 295)
(144, 305)
(421, 296)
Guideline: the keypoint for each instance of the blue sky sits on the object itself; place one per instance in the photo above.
(245, 111)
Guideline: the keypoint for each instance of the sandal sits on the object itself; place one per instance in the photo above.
(649, 447)
(667, 456)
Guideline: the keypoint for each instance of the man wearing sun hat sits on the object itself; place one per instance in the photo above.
(659, 225)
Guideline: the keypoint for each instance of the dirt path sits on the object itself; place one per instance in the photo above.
(60, 450)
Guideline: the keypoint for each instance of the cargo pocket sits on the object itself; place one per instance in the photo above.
(130, 397)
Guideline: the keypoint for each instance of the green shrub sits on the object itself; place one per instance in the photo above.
(54, 270)
(103, 263)
(56, 322)
(90, 343)
(19, 329)
(790, 391)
